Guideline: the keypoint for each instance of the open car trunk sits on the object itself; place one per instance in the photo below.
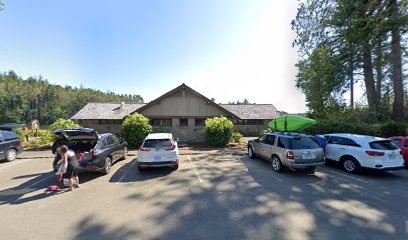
(81, 140)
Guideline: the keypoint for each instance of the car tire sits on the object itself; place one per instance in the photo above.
(350, 165)
(251, 153)
(11, 155)
(175, 167)
(108, 166)
(277, 165)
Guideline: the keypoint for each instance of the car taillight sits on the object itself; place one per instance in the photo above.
(173, 146)
(375, 153)
(290, 155)
(144, 149)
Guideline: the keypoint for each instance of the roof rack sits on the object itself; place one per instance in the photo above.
(299, 134)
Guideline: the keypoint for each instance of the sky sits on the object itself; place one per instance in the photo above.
(224, 49)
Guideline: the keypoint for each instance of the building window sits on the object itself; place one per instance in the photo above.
(250, 122)
(199, 122)
(183, 122)
(161, 122)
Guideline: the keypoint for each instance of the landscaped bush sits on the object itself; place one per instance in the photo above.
(218, 131)
(382, 129)
(63, 124)
(134, 129)
(20, 133)
(236, 137)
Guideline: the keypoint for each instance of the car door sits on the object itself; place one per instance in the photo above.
(333, 149)
(2, 147)
(117, 147)
(112, 147)
(269, 146)
(404, 148)
(259, 145)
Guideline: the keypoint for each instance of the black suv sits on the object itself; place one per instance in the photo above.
(10, 146)
(94, 152)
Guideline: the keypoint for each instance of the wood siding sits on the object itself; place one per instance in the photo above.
(183, 104)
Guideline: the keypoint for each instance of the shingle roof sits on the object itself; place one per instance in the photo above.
(106, 110)
(253, 111)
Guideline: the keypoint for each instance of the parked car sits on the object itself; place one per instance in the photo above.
(158, 150)
(287, 150)
(10, 146)
(358, 151)
(94, 152)
(402, 143)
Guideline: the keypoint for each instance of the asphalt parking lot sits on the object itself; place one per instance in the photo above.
(215, 194)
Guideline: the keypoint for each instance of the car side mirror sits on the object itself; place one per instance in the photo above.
(177, 139)
(256, 140)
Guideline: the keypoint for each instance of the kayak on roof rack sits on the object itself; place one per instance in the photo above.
(291, 123)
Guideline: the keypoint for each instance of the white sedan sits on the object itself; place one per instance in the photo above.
(354, 151)
(158, 150)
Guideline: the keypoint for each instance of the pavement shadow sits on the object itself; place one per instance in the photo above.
(130, 173)
(25, 192)
(240, 199)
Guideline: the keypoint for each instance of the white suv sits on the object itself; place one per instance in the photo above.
(158, 150)
(358, 151)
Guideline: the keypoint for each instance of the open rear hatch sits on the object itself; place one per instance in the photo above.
(81, 140)
(76, 134)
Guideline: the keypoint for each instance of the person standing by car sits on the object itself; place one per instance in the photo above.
(25, 131)
(69, 158)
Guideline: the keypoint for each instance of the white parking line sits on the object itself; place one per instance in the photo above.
(12, 164)
(42, 180)
(195, 169)
(344, 175)
(124, 175)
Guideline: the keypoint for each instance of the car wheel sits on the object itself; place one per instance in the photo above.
(251, 153)
(11, 155)
(108, 166)
(175, 167)
(125, 153)
(276, 164)
(350, 165)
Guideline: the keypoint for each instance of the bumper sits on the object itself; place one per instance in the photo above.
(302, 165)
(171, 163)
(387, 168)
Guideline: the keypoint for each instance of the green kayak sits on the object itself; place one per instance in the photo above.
(291, 123)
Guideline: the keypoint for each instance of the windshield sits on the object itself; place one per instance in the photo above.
(157, 143)
(383, 145)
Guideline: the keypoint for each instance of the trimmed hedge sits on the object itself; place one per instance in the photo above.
(218, 131)
(134, 129)
(385, 129)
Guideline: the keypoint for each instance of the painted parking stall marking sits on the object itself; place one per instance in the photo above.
(347, 176)
(195, 169)
(126, 172)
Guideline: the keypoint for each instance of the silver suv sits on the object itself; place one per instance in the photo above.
(291, 150)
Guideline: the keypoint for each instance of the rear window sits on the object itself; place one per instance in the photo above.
(157, 143)
(297, 143)
(9, 136)
(383, 145)
(397, 142)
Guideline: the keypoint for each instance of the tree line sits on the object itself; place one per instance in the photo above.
(344, 42)
(23, 100)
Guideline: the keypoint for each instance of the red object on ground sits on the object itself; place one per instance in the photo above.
(54, 188)
(402, 143)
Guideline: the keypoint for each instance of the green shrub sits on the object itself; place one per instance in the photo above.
(63, 124)
(134, 129)
(218, 131)
(20, 133)
(393, 128)
(236, 137)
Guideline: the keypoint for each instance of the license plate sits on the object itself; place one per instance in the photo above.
(157, 158)
(308, 156)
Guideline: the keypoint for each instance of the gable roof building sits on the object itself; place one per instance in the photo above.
(182, 111)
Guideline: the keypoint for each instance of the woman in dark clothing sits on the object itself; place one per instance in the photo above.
(69, 158)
